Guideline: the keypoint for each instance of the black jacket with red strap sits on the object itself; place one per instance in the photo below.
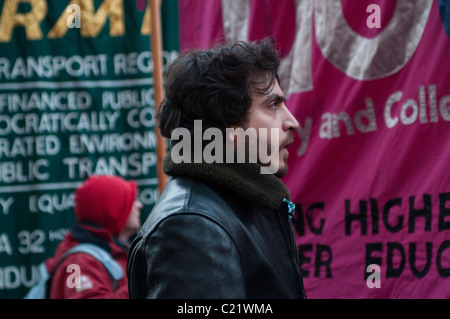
(217, 231)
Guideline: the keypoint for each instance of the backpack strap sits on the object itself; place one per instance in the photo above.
(101, 255)
(41, 288)
(113, 267)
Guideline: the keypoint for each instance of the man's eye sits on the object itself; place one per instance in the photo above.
(274, 105)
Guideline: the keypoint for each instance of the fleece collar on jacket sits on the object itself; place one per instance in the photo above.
(244, 179)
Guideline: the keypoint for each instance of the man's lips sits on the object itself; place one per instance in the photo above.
(285, 145)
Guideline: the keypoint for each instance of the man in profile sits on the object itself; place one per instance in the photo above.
(222, 229)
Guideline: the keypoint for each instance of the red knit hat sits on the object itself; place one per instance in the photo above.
(105, 201)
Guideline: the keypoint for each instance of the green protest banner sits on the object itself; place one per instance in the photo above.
(76, 99)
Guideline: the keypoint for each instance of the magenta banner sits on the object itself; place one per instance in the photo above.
(368, 82)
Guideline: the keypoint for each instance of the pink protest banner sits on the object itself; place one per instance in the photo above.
(368, 82)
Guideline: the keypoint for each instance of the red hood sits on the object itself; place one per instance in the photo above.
(105, 201)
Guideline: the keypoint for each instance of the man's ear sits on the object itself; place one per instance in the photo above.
(231, 133)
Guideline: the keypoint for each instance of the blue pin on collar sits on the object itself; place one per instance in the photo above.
(291, 208)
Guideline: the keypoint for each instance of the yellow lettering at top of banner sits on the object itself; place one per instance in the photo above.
(147, 23)
(92, 23)
(31, 20)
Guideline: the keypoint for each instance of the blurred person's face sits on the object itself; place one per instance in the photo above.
(133, 222)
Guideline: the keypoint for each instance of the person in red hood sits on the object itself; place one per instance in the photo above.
(107, 214)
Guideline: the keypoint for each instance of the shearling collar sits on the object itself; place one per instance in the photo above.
(244, 179)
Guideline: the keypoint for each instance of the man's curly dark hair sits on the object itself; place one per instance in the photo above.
(216, 85)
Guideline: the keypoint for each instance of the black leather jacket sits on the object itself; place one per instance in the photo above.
(202, 240)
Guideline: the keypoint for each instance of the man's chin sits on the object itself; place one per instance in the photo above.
(278, 168)
(282, 171)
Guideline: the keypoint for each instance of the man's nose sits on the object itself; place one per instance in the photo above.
(290, 123)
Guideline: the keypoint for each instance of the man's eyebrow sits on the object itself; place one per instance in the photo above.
(274, 97)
